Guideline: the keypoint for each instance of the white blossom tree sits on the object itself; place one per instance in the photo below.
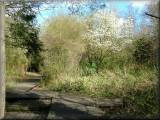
(106, 29)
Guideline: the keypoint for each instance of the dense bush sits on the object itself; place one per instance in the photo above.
(54, 63)
(96, 59)
(143, 51)
(93, 59)
(16, 64)
(64, 46)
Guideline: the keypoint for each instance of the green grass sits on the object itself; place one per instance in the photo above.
(137, 89)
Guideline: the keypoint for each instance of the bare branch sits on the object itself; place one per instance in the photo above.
(152, 15)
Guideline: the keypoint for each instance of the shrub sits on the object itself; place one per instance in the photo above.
(63, 40)
(143, 51)
(54, 63)
(93, 59)
(16, 64)
(96, 59)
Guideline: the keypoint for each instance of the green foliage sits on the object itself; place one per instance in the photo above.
(143, 51)
(142, 102)
(93, 59)
(64, 45)
(16, 64)
(94, 64)
(54, 63)
(67, 85)
(24, 34)
(140, 97)
(73, 64)
(96, 59)
(65, 28)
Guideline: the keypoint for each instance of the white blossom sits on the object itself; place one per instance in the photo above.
(107, 28)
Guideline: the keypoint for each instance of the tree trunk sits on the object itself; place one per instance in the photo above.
(2, 62)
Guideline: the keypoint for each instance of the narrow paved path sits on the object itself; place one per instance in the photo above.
(31, 81)
(30, 102)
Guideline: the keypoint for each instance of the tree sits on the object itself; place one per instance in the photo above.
(24, 33)
(105, 30)
(64, 33)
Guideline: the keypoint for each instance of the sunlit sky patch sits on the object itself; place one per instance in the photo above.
(122, 8)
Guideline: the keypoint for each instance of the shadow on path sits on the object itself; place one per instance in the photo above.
(35, 104)
(62, 111)
(17, 101)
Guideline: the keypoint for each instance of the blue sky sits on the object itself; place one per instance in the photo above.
(122, 8)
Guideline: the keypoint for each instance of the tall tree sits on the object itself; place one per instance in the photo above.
(109, 28)
(24, 33)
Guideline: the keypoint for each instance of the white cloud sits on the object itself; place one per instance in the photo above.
(140, 4)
